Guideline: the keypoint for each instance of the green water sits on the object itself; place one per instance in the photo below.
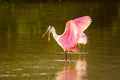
(25, 55)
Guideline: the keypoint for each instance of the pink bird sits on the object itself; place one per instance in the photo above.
(72, 35)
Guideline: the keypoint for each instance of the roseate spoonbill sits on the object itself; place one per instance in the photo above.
(72, 34)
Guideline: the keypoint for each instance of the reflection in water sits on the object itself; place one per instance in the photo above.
(78, 72)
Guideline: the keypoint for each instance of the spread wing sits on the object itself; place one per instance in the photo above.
(69, 37)
(73, 31)
(83, 22)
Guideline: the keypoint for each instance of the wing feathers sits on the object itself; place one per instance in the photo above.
(73, 31)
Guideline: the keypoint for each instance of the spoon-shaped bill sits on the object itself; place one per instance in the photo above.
(48, 30)
(49, 35)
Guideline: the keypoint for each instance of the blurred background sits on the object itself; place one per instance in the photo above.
(25, 55)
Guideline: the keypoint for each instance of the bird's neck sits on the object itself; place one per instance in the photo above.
(55, 36)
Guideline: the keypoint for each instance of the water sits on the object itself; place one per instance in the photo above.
(25, 55)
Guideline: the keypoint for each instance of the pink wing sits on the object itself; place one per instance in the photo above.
(69, 37)
(82, 22)
(73, 31)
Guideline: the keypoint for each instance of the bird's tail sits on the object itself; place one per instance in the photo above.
(74, 49)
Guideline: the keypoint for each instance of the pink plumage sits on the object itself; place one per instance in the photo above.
(69, 38)
(82, 23)
(73, 31)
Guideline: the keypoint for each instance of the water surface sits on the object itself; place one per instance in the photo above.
(25, 55)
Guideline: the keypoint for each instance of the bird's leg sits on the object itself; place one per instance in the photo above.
(85, 47)
(65, 55)
(70, 56)
(80, 49)
(84, 51)
(79, 46)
